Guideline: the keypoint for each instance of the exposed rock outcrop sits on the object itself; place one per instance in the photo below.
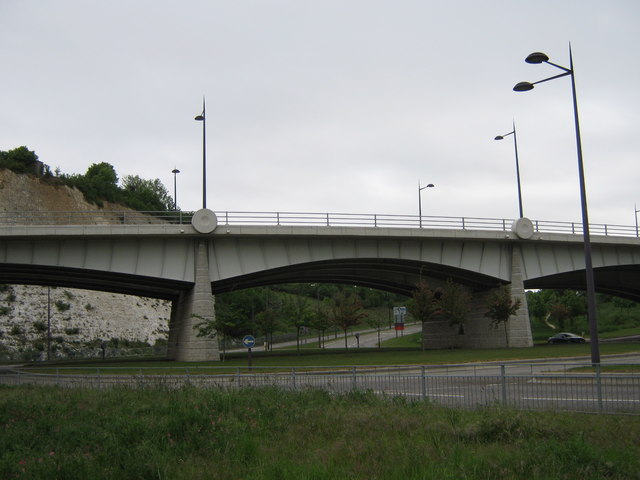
(76, 316)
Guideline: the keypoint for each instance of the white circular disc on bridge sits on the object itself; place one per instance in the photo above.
(204, 221)
(523, 228)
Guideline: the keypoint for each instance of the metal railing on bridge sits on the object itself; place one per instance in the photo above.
(328, 219)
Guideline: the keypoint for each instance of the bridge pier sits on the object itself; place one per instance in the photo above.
(192, 308)
(519, 326)
(477, 331)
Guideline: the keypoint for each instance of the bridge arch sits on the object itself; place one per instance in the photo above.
(88, 279)
(387, 274)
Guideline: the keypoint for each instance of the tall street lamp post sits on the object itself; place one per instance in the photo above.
(203, 118)
(175, 172)
(431, 185)
(539, 57)
(48, 323)
(515, 145)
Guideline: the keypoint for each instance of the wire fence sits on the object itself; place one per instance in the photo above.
(578, 388)
(232, 218)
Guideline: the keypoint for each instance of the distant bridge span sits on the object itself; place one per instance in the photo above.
(185, 262)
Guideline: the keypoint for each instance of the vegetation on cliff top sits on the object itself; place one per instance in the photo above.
(98, 184)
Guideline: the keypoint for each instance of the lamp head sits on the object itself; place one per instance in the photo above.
(200, 118)
(523, 87)
(537, 57)
(175, 170)
(430, 185)
(499, 137)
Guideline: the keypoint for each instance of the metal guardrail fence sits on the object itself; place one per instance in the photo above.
(554, 387)
(103, 217)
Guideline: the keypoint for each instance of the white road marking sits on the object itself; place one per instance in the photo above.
(553, 399)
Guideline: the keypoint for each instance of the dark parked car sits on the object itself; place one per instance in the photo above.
(565, 338)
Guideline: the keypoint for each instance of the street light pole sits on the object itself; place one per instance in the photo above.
(515, 145)
(48, 323)
(203, 118)
(175, 171)
(635, 207)
(431, 185)
(592, 314)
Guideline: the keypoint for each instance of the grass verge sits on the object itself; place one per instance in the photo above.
(337, 357)
(260, 434)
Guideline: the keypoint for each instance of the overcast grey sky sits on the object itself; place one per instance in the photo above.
(333, 105)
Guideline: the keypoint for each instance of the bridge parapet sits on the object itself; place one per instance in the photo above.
(232, 218)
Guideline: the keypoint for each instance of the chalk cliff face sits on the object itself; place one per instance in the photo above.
(28, 193)
(76, 316)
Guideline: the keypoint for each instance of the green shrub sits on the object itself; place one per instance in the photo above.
(62, 306)
(40, 326)
(16, 330)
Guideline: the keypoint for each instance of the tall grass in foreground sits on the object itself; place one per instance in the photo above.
(273, 434)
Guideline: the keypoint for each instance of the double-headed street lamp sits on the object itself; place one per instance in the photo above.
(539, 57)
(431, 185)
(515, 144)
(175, 171)
(202, 118)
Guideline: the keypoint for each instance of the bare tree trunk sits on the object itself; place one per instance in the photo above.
(506, 334)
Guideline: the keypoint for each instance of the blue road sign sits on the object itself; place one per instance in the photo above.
(248, 341)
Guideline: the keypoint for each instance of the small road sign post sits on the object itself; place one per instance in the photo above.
(249, 341)
(399, 314)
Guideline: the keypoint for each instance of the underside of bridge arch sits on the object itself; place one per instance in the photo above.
(621, 281)
(392, 275)
(92, 280)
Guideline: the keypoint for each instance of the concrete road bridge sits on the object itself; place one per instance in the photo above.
(187, 258)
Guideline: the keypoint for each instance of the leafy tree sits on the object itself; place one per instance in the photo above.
(99, 183)
(560, 314)
(454, 304)
(424, 303)
(295, 311)
(321, 321)
(267, 321)
(560, 306)
(146, 195)
(234, 314)
(346, 311)
(376, 321)
(218, 327)
(501, 307)
(19, 160)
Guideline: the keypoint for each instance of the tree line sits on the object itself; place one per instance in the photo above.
(295, 308)
(324, 307)
(99, 184)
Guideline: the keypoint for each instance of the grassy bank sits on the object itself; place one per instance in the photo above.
(270, 434)
(337, 357)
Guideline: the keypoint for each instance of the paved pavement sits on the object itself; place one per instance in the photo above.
(369, 338)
